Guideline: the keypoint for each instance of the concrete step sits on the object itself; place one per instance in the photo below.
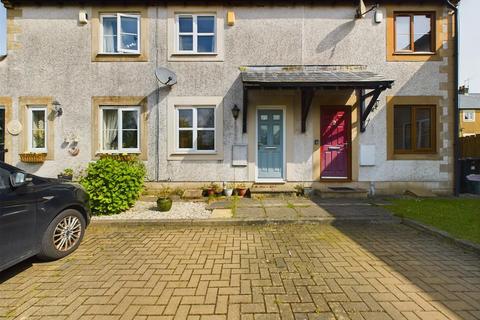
(342, 192)
(272, 191)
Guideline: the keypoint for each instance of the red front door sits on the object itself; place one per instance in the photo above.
(334, 140)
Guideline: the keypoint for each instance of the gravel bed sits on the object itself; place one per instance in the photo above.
(148, 210)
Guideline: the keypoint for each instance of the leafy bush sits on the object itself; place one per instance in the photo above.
(113, 185)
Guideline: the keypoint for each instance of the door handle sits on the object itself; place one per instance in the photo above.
(270, 147)
(334, 148)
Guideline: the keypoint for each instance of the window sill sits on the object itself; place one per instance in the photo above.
(399, 53)
(416, 156)
(195, 54)
(190, 56)
(119, 57)
(195, 156)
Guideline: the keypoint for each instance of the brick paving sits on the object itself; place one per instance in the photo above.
(359, 271)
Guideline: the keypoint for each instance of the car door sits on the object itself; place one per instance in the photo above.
(17, 220)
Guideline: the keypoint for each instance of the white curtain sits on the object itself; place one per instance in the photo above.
(110, 129)
(109, 34)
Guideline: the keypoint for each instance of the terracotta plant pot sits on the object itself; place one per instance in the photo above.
(241, 191)
(164, 204)
(210, 192)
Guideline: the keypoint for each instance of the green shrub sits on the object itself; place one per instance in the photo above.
(113, 185)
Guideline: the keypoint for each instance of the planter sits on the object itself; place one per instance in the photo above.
(228, 192)
(164, 204)
(65, 177)
(241, 191)
(119, 156)
(33, 157)
(210, 192)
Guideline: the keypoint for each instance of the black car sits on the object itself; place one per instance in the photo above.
(39, 216)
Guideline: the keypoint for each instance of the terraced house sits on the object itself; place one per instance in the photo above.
(323, 93)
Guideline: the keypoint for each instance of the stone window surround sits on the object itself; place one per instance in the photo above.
(6, 103)
(173, 153)
(174, 55)
(97, 56)
(119, 101)
(25, 103)
(437, 33)
(392, 101)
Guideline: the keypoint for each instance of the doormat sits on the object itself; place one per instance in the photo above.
(341, 189)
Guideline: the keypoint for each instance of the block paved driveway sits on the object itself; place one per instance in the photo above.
(376, 271)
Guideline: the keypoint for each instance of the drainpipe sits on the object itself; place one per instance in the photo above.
(456, 140)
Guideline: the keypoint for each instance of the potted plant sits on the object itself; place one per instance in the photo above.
(66, 174)
(164, 202)
(211, 189)
(228, 190)
(241, 189)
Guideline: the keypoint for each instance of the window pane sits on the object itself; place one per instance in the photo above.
(129, 119)
(185, 118)
(206, 140)
(185, 24)
(402, 33)
(402, 128)
(130, 139)
(185, 139)
(423, 123)
(263, 134)
(129, 42)
(206, 44)
(110, 34)
(205, 118)
(110, 26)
(38, 129)
(206, 24)
(276, 135)
(110, 130)
(186, 43)
(422, 36)
(129, 25)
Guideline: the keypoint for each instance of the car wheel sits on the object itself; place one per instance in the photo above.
(63, 235)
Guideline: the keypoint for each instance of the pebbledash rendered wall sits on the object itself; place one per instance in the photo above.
(50, 55)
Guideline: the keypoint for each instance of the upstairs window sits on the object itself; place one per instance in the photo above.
(414, 32)
(414, 129)
(120, 33)
(120, 129)
(468, 116)
(196, 33)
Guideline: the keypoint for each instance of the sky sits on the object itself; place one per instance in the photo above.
(469, 42)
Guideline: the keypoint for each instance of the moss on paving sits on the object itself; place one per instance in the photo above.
(458, 216)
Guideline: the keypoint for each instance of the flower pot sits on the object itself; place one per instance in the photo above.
(210, 192)
(228, 192)
(164, 204)
(64, 177)
(33, 157)
(241, 191)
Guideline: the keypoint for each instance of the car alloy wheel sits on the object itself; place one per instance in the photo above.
(67, 233)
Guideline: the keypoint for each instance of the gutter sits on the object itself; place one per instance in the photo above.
(456, 124)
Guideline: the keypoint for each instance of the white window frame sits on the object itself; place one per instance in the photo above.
(472, 112)
(195, 34)
(120, 111)
(194, 129)
(119, 16)
(30, 128)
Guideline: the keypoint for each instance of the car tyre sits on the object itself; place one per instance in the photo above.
(63, 235)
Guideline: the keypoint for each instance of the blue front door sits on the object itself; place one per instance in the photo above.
(270, 145)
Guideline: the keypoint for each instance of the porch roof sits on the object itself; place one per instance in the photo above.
(308, 77)
(352, 76)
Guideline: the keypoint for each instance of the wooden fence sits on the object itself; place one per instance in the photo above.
(470, 146)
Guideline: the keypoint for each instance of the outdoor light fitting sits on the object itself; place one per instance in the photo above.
(57, 108)
(235, 111)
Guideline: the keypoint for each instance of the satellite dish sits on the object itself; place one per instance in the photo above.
(166, 77)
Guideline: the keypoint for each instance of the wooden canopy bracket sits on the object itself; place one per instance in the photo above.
(307, 98)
